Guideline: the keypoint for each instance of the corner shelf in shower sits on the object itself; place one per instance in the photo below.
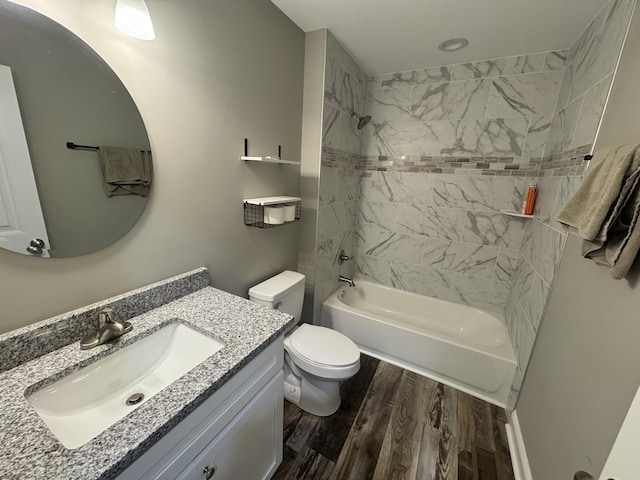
(516, 214)
(269, 159)
(254, 210)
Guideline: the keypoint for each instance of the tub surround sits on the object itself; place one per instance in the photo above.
(30, 450)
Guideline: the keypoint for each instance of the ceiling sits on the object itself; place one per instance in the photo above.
(395, 35)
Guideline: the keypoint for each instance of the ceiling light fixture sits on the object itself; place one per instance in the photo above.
(453, 44)
(133, 19)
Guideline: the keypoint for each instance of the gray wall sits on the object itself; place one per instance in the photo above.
(584, 371)
(218, 72)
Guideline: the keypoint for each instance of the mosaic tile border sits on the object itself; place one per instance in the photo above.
(568, 163)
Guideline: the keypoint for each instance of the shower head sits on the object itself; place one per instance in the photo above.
(362, 121)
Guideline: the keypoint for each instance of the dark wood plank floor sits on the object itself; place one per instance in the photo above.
(395, 424)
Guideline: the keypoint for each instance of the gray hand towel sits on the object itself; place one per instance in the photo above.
(125, 171)
(587, 211)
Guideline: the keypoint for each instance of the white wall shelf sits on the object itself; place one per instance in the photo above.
(516, 214)
(269, 159)
(267, 212)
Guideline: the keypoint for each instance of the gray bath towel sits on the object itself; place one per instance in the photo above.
(586, 212)
(125, 171)
(605, 209)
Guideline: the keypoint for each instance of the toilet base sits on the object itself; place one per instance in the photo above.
(312, 394)
(316, 397)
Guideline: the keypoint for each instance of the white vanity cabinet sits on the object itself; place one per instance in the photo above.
(236, 434)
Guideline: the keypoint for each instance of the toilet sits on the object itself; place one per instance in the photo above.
(316, 358)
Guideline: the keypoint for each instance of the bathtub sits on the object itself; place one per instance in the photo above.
(461, 346)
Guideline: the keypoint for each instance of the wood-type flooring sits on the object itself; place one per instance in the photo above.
(394, 424)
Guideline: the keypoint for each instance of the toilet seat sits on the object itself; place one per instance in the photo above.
(323, 352)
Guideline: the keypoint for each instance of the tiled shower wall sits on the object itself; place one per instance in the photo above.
(446, 152)
(591, 63)
(344, 92)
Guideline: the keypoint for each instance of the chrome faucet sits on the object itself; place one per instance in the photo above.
(344, 279)
(109, 327)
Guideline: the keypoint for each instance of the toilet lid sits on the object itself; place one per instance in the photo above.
(323, 346)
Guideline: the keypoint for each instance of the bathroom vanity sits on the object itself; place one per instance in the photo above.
(222, 419)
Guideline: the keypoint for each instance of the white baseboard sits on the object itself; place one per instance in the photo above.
(519, 460)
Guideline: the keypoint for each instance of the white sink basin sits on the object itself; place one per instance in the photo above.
(82, 405)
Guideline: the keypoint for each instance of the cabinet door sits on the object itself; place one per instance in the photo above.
(250, 446)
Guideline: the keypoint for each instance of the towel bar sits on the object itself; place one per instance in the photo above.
(74, 146)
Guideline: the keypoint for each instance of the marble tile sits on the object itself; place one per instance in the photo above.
(340, 131)
(497, 137)
(347, 184)
(473, 192)
(421, 280)
(451, 100)
(589, 35)
(535, 299)
(543, 246)
(505, 265)
(400, 187)
(555, 60)
(564, 96)
(340, 55)
(342, 90)
(380, 215)
(494, 229)
(499, 66)
(524, 340)
(398, 246)
(411, 78)
(537, 136)
(327, 189)
(375, 269)
(524, 95)
(365, 238)
(598, 53)
(333, 219)
(545, 200)
(592, 110)
(483, 293)
(563, 127)
(438, 222)
(467, 258)
(406, 136)
(390, 105)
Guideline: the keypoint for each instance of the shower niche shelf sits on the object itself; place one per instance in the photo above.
(267, 212)
(517, 214)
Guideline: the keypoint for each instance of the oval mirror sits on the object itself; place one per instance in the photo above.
(75, 160)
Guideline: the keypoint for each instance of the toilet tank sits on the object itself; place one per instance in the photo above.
(284, 292)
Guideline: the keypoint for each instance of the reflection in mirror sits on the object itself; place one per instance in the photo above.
(55, 89)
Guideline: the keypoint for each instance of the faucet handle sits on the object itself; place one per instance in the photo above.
(106, 315)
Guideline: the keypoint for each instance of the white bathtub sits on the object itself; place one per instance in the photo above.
(464, 347)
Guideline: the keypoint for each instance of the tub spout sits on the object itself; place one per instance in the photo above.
(344, 279)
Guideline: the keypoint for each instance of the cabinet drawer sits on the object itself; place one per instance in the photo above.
(250, 446)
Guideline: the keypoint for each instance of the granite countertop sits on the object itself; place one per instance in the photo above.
(29, 449)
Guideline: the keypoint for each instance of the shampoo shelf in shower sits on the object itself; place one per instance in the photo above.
(516, 214)
(269, 160)
(267, 212)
